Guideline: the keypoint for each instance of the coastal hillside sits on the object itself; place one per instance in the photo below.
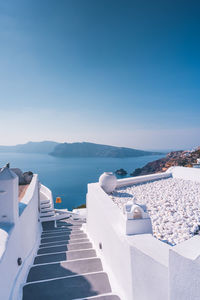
(31, 147)
(175, 158)
(96, 150)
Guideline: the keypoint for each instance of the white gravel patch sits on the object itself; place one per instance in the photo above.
(173, 206)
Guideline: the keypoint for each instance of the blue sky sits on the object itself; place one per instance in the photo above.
(124, 73)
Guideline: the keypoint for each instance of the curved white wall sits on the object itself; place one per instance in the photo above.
(22, 242)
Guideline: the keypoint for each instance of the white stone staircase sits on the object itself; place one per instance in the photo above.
(66, 266)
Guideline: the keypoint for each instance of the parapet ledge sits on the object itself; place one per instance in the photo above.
(143, 178)
(151, 246)
(189, 249)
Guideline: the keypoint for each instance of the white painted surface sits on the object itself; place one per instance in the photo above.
(8, 196)
(141, 179)
(4, 235)
(141, 267)
(108, 182)
(149, 262)
(184, 270)
(103, 227)
(139, 226)
(124, 257)
(46, 193)
(21, 242)
(17, 291)
(185, 173)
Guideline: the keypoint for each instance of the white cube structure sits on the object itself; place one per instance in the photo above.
(9, 211)
(137, 221)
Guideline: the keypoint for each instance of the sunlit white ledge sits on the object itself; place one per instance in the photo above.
(142, 179)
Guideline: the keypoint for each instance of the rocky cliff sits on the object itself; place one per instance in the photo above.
(175, 158)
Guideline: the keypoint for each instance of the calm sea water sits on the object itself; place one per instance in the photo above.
(68, 177)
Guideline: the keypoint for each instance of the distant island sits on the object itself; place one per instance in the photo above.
(97, 150)
(31, 147)
(76, 150)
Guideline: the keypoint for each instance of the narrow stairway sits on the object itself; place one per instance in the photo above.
(66, 266)
(47, 210)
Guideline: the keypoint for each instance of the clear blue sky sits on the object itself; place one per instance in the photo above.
(124, 73)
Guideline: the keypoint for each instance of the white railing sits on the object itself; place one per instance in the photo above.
(141, 179)
(46, 193)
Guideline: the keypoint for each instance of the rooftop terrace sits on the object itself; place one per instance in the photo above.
(173, 205)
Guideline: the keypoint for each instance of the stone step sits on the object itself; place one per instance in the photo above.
(103, 297)
(69, 223)
(44, 217)
(64, 256)
(62, 233)
(48, 226)
(64, 248)
(52, 229)
(69, 288)
(64, 269)
(60, 229)
(64, 242)
(51, 225)
(65, 237)
(45, 206)
(47, 209)
(47, 214)
(62, 216)
(50, 204)
(46, 201)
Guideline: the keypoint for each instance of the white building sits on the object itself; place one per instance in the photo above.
(139, 266)
(197, 165)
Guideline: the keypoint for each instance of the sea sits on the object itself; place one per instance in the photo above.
(68, 177)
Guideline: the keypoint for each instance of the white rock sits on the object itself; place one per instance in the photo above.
(173, 205)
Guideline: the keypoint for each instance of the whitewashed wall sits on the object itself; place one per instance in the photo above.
(22, 242)
(134, 269)
(184, 270)
(149, 262)
(141, 267)
(103, 226)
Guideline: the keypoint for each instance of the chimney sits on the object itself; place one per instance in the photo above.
(9, 208)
